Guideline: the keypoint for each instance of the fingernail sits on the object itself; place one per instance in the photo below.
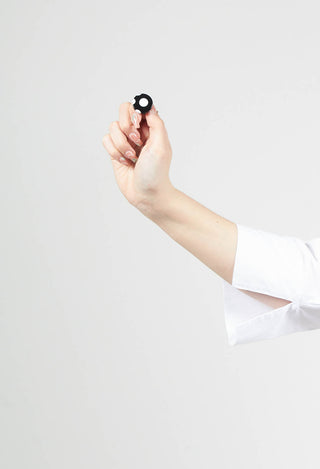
(135, 138)
(134, 119)
(129, 154)
(123, 160)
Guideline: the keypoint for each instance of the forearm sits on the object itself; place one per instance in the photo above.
(208, 236)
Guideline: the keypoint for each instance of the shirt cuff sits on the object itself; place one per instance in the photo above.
(275, 265)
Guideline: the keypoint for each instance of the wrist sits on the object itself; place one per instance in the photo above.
(157, 205)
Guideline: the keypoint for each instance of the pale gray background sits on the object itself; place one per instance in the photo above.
(113, 347)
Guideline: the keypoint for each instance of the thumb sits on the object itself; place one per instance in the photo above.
(156, 124)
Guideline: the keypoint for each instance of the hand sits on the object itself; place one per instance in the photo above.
(145, 177)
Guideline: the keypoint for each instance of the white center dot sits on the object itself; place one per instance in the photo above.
(143, 102)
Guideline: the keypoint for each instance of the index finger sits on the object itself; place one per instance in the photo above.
(126, 119)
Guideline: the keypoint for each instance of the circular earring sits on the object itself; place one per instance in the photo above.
(142, 103)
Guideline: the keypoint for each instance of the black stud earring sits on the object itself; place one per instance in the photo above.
(142, 103)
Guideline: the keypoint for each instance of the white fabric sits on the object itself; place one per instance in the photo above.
(275, 265)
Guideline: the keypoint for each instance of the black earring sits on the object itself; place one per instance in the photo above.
(143, 108)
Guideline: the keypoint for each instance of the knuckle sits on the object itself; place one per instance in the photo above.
(125, 105)
(113, 125)
(106, 143)
(105, 139)
(125, 127)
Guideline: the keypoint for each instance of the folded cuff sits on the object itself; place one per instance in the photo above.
(275, 265)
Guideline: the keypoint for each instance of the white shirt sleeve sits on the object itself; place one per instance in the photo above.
(275, 265)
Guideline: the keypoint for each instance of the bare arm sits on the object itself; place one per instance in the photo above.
(144, 180)
(207, 235)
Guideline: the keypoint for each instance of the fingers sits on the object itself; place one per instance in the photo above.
(120, 141)
(150, 125)
(129, 121)
(136, 118)
(156, 125)
(135, 115)
(144, 130)
(114, 152)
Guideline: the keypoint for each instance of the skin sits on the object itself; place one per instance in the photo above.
(146, 184)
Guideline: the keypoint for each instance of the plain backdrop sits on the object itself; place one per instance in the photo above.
(113, 347)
